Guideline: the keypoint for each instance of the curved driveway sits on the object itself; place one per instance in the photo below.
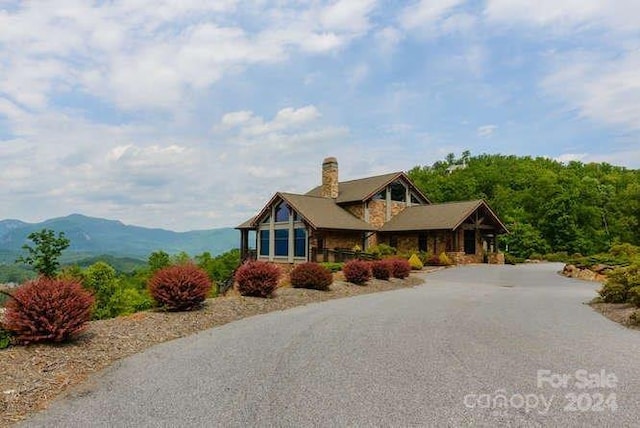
(434, 355)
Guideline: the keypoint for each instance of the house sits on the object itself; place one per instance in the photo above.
(339, 216)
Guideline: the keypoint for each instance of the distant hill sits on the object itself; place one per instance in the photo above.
(91, 236)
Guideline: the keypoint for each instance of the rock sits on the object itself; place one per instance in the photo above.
(570, 271)
(586, 274)
(601, 268)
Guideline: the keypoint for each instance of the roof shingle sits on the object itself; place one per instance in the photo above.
(447, 216)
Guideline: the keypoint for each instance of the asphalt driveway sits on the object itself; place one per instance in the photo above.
(477, 345)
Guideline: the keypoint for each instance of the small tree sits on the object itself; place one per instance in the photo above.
(158, 260)
(43, 257)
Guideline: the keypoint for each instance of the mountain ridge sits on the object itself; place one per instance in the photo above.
(95, 235)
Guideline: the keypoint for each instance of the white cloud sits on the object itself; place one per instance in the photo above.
(153, 55)
(602, 89)
(347, 15)
(486, 131)
(621, 15)
(425, 13)
(249, 124)
(568, 157)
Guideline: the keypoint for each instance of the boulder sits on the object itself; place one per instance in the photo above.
(570, 271)
(586, 274)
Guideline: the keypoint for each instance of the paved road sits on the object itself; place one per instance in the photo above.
(426, 356)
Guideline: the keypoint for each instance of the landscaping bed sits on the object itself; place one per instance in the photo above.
(32, 376)
(617, 312)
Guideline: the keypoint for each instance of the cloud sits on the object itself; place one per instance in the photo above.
(486, 131)
(601, 88)
(155, 55)
(425, 13)
(347, 15)
(568, 157)
(567, 14)
(248, 124)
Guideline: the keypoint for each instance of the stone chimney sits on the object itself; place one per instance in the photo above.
(330, 178)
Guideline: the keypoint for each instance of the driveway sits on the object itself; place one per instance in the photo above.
(476, 345)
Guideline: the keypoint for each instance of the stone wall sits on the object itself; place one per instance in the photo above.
(496, 258)
(344, 239)
(355, 209)
(377, 213)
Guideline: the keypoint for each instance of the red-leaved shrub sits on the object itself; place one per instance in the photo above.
(48, 310)
(257, 279)
(311, 275)
(400, 268)
(357, 271)
(181, 287)
(381, 269)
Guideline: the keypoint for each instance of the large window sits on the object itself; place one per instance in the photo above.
(398, 191)
(300, 243)
(282, 212)
(381, 196)
(282, 242)
(264, 242)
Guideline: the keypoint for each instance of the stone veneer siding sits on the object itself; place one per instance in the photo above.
(377, 213)
(356, 209)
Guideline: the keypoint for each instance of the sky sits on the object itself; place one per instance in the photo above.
(191, 114)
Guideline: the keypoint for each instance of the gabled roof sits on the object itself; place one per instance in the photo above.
(247, 224)
(364, 188)
(448, 216)
(320, 213)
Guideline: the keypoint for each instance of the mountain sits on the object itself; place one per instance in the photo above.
(95, 236)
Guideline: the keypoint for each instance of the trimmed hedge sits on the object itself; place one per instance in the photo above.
(357, 272)
(400, 268)
(381, 269)
(311, 275)
(180, 287)
(48, 310)
(257, 279)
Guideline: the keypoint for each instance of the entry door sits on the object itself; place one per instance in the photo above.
(469, 241)
(422, 242)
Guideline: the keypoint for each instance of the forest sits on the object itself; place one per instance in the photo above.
(548, 206)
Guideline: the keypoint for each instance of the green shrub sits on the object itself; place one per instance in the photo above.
(101, 279)
(415, 262)
(357, 272)
(425, 256)
(556, 257)
(333, 267)
(257, 279)
(311, 275)
(510, 259)
(535, 256)
(625, 249)
(126, 301)
(613, 293)
(381, 250)
(444, 259)
(633, 296)
(181, 287)
(5, 338)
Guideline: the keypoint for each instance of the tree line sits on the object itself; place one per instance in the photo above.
(547, 205)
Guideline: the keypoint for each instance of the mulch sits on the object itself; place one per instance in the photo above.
(32, 376)
(617, 312)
